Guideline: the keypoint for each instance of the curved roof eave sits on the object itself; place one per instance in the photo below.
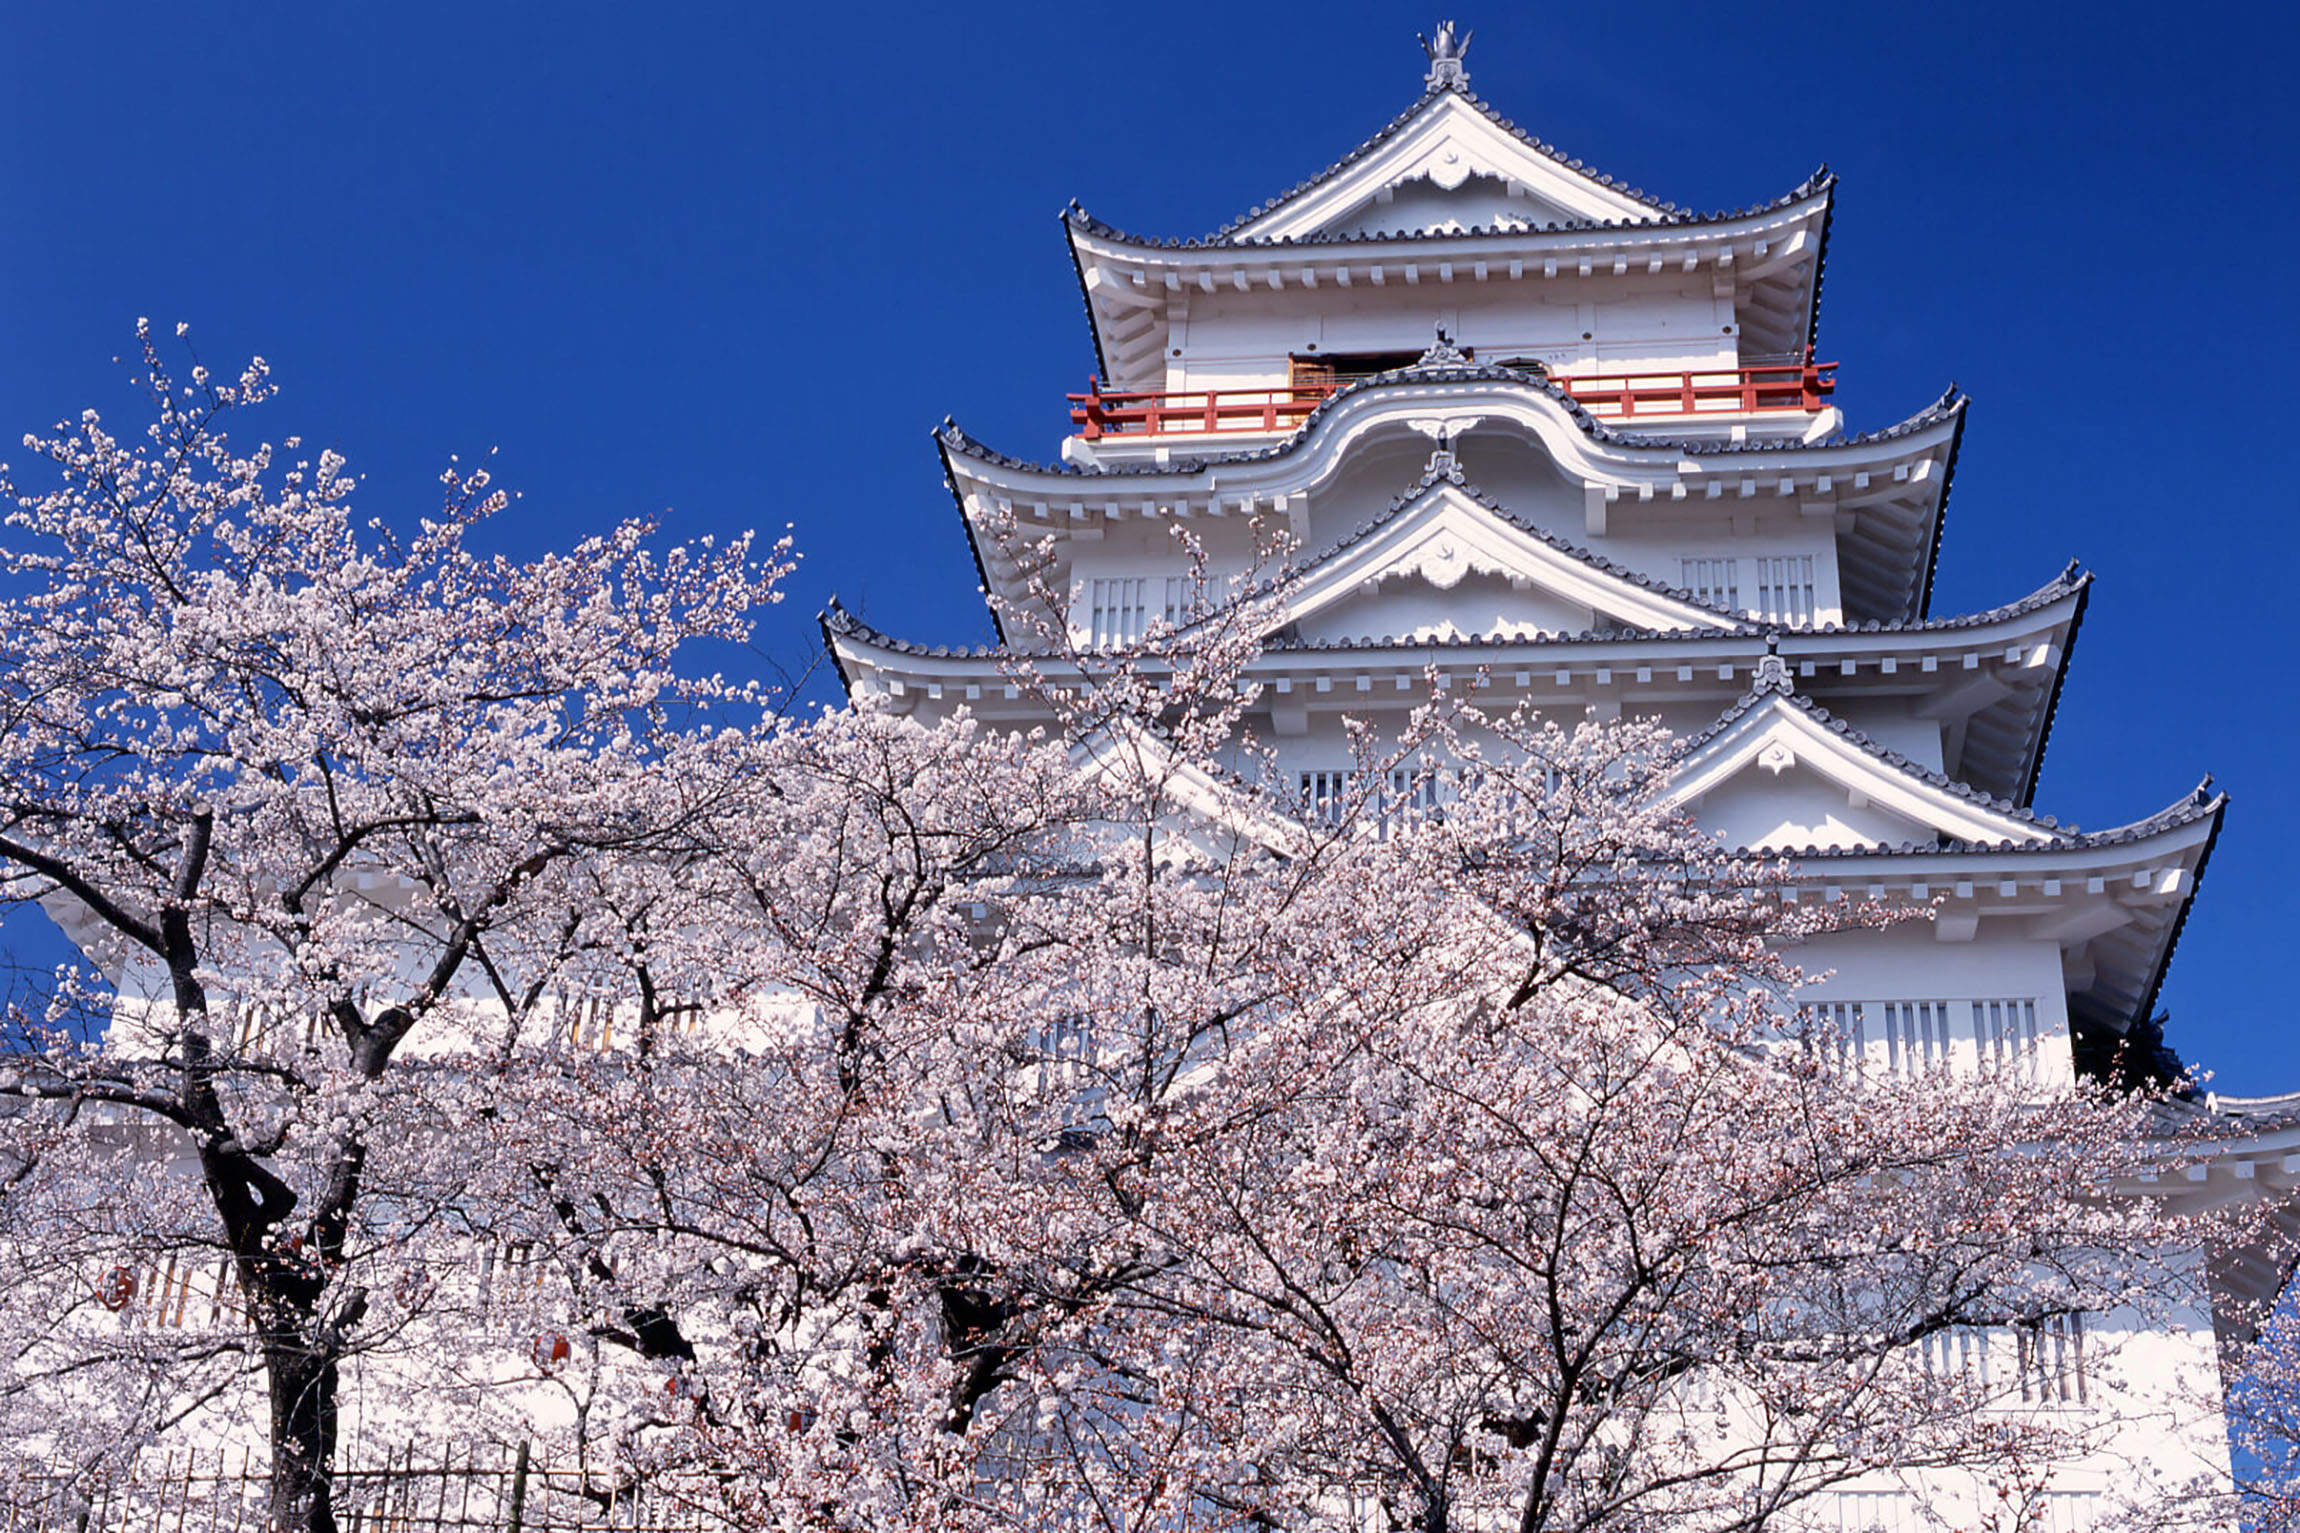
(1948, 408)
(966, 524)
(1941, 511)
(1817, 189)
(2218, 808)
(2082, 584)
(1085, 294)
(2180, 816)
(1820, 266)
(1789, 641)
(826, 624)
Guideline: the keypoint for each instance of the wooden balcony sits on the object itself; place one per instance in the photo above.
(1772, 388)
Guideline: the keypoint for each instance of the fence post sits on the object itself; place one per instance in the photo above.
(518, 1490)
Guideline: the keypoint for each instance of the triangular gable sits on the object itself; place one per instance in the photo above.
(1778, 774)
(1208, 811)
(1449, 164)
(1445, 533)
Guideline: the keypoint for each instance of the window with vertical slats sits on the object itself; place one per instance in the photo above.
(1916, 1036)
(1785, 590)
(1958, 1356)
(1840, 1028)
(1715, 581)
(1876, 1511)
(2006, 1032)
(1119, 609)
(1912, 1038)
(1322, 796)
(2052, 1360)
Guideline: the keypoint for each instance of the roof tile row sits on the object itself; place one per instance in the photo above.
(1944, 408)
(1664, 213)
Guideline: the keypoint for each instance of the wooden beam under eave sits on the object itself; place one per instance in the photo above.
(1595, 502)
(1117, 292)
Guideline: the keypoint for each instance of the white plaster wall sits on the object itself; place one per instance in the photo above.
(1908, 962)
(2151, 1405)
(1656, 547)
(1229, 339)
(1798, 809)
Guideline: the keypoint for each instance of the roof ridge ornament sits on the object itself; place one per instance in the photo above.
(1444, 353)
(1443, 464)
(1445, 53)
(1773, 671)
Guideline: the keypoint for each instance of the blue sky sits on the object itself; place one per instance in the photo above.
(736, 261)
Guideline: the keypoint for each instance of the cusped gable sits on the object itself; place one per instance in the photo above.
(1444, 562)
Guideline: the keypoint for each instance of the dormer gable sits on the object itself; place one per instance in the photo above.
(1443, 533)
(1778, 774)
(1449, 164)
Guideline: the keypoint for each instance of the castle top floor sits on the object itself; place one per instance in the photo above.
(1452, 219)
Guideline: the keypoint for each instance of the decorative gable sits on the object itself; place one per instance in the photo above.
(1496, 576)
(1778, 774)
(1449, 165)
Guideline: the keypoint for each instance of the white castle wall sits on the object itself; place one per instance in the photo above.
(1228, 340)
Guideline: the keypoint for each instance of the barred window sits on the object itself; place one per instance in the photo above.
(1715, 581)
(2005, 1030)
(1841, 1028)
(1414, 790)
(1119, 610)
(1876, 1511)
(588, 1020)
(1916, 1036)
(1785, 590)
(1958, 1356)
(680, 1017)
(2052, 1360)
(1323, 794)
(2069, 1511)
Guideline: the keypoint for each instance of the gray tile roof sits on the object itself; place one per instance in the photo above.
(836, 620)
(1665, 214)
(1818, 185)
(1949, 406)
(2200, 803)
(1452, 474)
(2060, 588)
(2210, 1115)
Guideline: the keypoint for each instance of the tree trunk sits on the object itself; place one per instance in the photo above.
(303, 1400)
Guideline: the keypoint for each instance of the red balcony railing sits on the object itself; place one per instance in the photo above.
(1781, 386)
(1099, 414)
(1804, 385)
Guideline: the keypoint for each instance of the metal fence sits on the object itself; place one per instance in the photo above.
(499, 1491)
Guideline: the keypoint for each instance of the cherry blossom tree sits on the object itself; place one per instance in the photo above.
(1139, 1146)
(2264, 1422)
(976, 1130)
(311, 791)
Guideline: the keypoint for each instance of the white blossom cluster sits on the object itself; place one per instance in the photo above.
(521, 1038)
